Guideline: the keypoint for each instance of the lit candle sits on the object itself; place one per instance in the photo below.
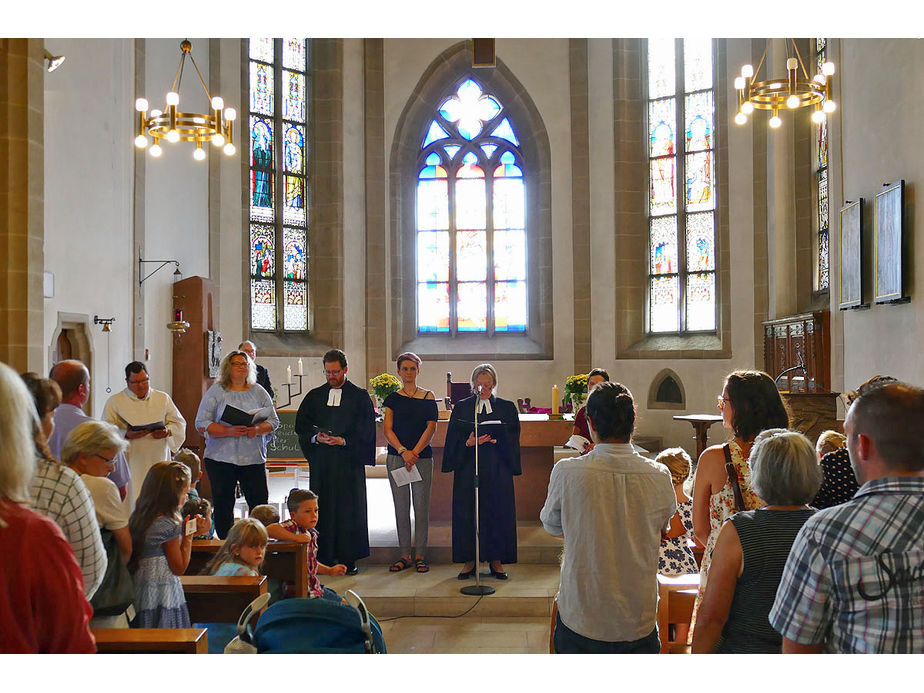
(554, 400)
(288, 374)
(300, 370)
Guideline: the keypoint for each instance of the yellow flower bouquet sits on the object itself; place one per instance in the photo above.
(385, 383)
(576, 384)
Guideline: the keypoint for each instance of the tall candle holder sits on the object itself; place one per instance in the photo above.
(290, 394)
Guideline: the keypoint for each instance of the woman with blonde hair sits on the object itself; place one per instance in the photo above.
(237, 417)
(42, 602)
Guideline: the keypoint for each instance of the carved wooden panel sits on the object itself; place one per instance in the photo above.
(788, 342)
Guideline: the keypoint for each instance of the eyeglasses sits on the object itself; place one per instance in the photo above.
(722, 401)
(107, 460)
(240, 364)
(139, 382)
(333, 373)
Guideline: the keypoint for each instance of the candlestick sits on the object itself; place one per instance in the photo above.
(300, 369)
(554, 400)
(288, 374)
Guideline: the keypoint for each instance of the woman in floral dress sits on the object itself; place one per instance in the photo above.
(750, 403)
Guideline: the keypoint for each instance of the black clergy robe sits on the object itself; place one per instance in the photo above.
(498, 463)
(337, 472)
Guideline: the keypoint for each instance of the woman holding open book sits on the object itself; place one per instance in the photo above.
(236, 416)
(410, 422)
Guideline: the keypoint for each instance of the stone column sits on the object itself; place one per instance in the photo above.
(22, 230)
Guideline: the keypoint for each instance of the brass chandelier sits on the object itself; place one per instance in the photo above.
(792, 92)
(174, 126)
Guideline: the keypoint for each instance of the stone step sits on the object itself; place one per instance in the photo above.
(528, 592)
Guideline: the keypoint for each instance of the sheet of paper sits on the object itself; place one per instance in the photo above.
(403, 477)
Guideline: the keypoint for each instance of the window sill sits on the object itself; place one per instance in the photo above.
(703, 345)
(291, 344)
(475, 347)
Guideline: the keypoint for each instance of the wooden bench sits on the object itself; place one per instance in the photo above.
(285, 560)
(676, 596)
(212, 599)
(151, 640)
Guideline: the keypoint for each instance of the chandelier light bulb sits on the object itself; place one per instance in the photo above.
(229, 149)
(141, 141)
(792, 64)
(199, 153)
(141, 105)
(218, 103)
(830, 107)
(172, 98)
(156, 150)
(775, 121)
(818, 117)
(747, 71)
(739, 83)
(741, 119)
(747, 108)
(819, 79)
(173, 137)
(156, 113)
(793, 101)
(218, 139)
(230, 114)
(828, 69)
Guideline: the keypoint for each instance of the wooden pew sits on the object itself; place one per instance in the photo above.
(675, 608)
(151, 640)
(212, 599)
(285, 560)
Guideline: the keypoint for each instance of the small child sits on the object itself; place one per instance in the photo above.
(267, 514)
(829, 441)
(303, 509)
(199, 506)
(191, 460)
(676, 558)
(243, 551)
(161, 547)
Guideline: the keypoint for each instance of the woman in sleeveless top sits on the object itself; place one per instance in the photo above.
(750, 403)
(410, 422)
(752, 548)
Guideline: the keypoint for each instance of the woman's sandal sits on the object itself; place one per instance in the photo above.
(422, 566)
(400, 565)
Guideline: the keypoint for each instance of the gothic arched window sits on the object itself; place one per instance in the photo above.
(821, 179)
(471, 218)
(681, 198)
(278, 185)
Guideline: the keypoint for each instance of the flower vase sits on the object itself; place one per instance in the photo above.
(578, 399)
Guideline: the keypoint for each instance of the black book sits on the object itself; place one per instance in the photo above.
(236, 417)
(155, 426)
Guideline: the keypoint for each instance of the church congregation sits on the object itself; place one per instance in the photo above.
(450, 255)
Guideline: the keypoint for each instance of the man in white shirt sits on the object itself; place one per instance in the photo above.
(150, 421)
(612, 506)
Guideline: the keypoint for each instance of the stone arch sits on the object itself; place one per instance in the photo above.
(667, 391)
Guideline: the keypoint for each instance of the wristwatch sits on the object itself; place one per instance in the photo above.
(402, 450)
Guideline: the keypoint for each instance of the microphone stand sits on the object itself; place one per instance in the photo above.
(477, 588)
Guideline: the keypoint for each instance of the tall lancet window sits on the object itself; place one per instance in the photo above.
(278, 185)
(821, 178)
(471, 219)
(681, 195)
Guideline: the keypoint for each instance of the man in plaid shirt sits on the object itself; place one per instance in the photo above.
(854, 580)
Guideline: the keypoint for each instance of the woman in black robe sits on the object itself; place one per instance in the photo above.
(498, 462)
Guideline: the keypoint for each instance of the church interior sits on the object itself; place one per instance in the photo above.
(107, 248)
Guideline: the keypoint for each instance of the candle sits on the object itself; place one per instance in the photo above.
(288, 374)
(554, 400)
(300, 369)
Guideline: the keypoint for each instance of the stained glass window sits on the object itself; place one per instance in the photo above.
(681, 192)
(471, 218)
(822, 276)
(278, 185)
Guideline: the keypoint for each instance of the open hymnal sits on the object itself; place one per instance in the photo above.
(154, 426)
(577, 442)
(233, 416)
(403, 477)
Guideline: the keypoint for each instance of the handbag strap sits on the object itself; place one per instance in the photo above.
(732, 473)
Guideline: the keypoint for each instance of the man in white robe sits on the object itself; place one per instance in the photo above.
(153, 426)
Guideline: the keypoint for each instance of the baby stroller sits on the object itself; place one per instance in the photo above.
(318, 626)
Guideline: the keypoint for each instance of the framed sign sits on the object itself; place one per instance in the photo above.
(851, 267)
(888, 244)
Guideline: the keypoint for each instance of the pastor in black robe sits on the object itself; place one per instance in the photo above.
(498, 463)
(337, 473)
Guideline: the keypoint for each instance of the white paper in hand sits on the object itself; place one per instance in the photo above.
(577, 442)
(403, 477)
